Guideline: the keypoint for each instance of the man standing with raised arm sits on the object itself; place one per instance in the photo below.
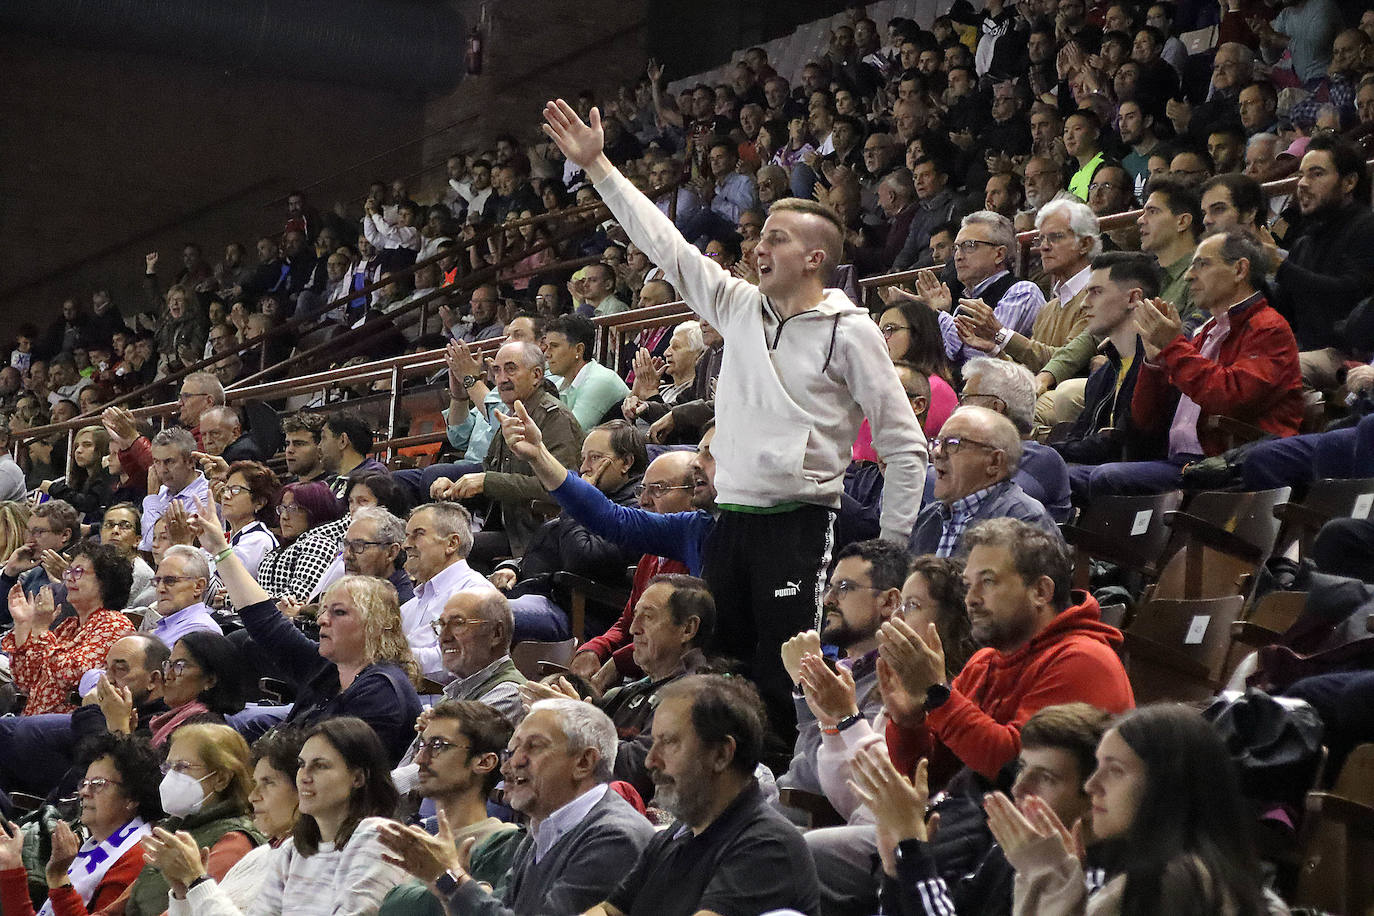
(803, 366)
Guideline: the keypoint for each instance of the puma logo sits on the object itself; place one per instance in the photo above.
(789, 590)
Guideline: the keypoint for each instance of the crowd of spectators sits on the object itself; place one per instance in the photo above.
(279, 675)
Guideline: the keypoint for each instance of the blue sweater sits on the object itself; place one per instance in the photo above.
(678, 536)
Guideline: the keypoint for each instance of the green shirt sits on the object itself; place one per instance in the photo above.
(593, 392)
(1175, 292)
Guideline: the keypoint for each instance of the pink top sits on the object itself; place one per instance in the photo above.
(943, 400)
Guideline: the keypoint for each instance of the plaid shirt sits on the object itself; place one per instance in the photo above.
(956, 517)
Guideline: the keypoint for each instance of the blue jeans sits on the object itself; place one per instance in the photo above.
(538, 619)
(418, 480)
(1340, 453)
(1126, 478)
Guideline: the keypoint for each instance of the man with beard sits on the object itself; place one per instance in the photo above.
(581, 833)
(729, 851)
(1331, 265)
(458, 764)
(865, 590)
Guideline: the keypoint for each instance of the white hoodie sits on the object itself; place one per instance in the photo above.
(792, 392)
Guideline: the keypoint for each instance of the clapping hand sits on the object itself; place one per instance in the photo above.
(918, 660)
(648, 374)
(807, 642)
(1015, 829)
(117, 704)
(830, 694)
(898, 805)
(424, 856)
(178, 856)
(1158, 324)
(54, 564)
(64, 848)
(11, 846)
(935, 293)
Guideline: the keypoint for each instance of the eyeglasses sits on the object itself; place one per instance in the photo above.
(909, 606)
(844, 587)
(187, 395)
(234, 490)
(968, 246)
(284, 510)
(662, 489)
(180, 766)
(358, 546)
(159, 581)
(177, 669)
(1101, 186)
(439, 626)
(1054, 238)
(118, 525)
(436, 746)
(72, 573)
(951, 445)
(95, 785)
(891, 329)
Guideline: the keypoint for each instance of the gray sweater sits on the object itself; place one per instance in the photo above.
(578, 872)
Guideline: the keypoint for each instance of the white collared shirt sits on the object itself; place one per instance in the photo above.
(1072, 286)
(552, 828)
(427, 605)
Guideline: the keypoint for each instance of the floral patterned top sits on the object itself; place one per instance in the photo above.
(49, 665)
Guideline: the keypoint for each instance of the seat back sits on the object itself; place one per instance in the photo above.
(1176, 648)
(1338, 841)
(1326, 499)
(527, 655)
(1128, 531)
(1218, 543)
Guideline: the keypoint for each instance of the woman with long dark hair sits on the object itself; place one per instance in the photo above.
(1167, 792)
(334, 858)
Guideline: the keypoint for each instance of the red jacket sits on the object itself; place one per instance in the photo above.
(1072, 659)
(1255, 378)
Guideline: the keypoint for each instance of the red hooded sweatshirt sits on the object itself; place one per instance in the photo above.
(1073, 659)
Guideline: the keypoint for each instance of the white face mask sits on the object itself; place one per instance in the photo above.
(181, 793)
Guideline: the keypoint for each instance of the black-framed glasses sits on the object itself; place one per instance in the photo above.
(118, 524)
(169, 581)
(951, 445)
(889, 330)
(357, 545)
(662, 489)
(844, 587)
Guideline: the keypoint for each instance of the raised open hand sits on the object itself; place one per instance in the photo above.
(581, 143)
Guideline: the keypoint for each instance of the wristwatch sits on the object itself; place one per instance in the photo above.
(469, 381)
(936, 695)
(849, 720)
(447, 883)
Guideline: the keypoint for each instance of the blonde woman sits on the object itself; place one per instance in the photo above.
(14, 522)
(362, 666)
